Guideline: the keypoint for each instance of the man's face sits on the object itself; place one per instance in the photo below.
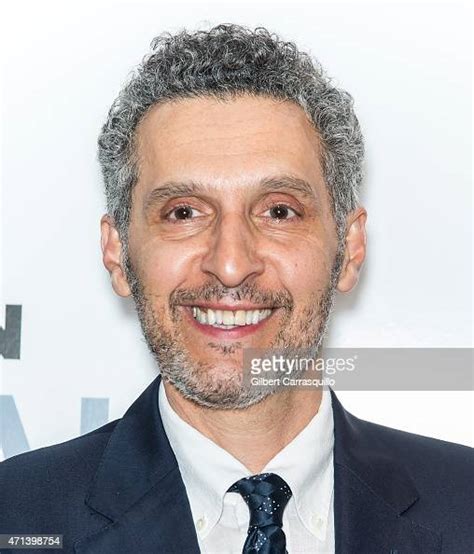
(231, 222)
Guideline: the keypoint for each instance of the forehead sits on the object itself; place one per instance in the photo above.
(232, 142)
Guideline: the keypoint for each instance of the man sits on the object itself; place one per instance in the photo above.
(232, 167)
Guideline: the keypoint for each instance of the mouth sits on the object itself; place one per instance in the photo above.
(226, 323)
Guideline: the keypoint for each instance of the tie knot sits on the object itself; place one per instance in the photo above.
(266, 495)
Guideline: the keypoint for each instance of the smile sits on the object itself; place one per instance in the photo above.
(226, 319)
(228, 324)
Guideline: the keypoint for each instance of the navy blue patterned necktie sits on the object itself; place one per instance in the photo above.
(266, 495)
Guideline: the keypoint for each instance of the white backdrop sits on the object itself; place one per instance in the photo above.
(408, 66)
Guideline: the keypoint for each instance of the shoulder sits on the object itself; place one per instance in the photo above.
(52, 480)
(442, 471)
(419, 449)
(81, 452)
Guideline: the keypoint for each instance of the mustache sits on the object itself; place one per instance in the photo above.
(246, 292)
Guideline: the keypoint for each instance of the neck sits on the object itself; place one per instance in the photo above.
(256, 434)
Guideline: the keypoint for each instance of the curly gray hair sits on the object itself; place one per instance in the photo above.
(227, 61)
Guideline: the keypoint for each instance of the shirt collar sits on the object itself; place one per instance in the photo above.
(208, 470)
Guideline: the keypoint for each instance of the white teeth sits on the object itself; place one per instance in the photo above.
(211, 317)
(239, 318)
(229, 319)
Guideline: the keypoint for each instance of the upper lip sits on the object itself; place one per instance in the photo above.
(229, 307)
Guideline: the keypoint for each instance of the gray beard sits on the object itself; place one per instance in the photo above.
(198, 381)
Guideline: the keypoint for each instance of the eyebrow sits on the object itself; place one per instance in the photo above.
(288, 182)
(174, 189)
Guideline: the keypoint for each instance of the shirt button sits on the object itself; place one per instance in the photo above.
(201, 523)
(317, 522)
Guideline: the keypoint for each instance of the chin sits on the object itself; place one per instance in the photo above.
(217, 390)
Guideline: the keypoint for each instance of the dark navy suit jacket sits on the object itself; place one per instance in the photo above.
(119, 490)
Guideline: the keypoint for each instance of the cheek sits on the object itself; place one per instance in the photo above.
(164, 266)
(305, 269)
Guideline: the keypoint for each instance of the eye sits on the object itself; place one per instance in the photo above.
(181, 213)
(281, 212)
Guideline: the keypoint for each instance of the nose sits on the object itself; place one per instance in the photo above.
(233, 255)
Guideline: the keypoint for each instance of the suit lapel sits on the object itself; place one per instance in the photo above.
(373, 493)
(138, 488)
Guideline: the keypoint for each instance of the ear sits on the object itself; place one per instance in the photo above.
(111, 255)
(355, 250)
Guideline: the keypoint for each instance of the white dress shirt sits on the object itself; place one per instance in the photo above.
(221, 519)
